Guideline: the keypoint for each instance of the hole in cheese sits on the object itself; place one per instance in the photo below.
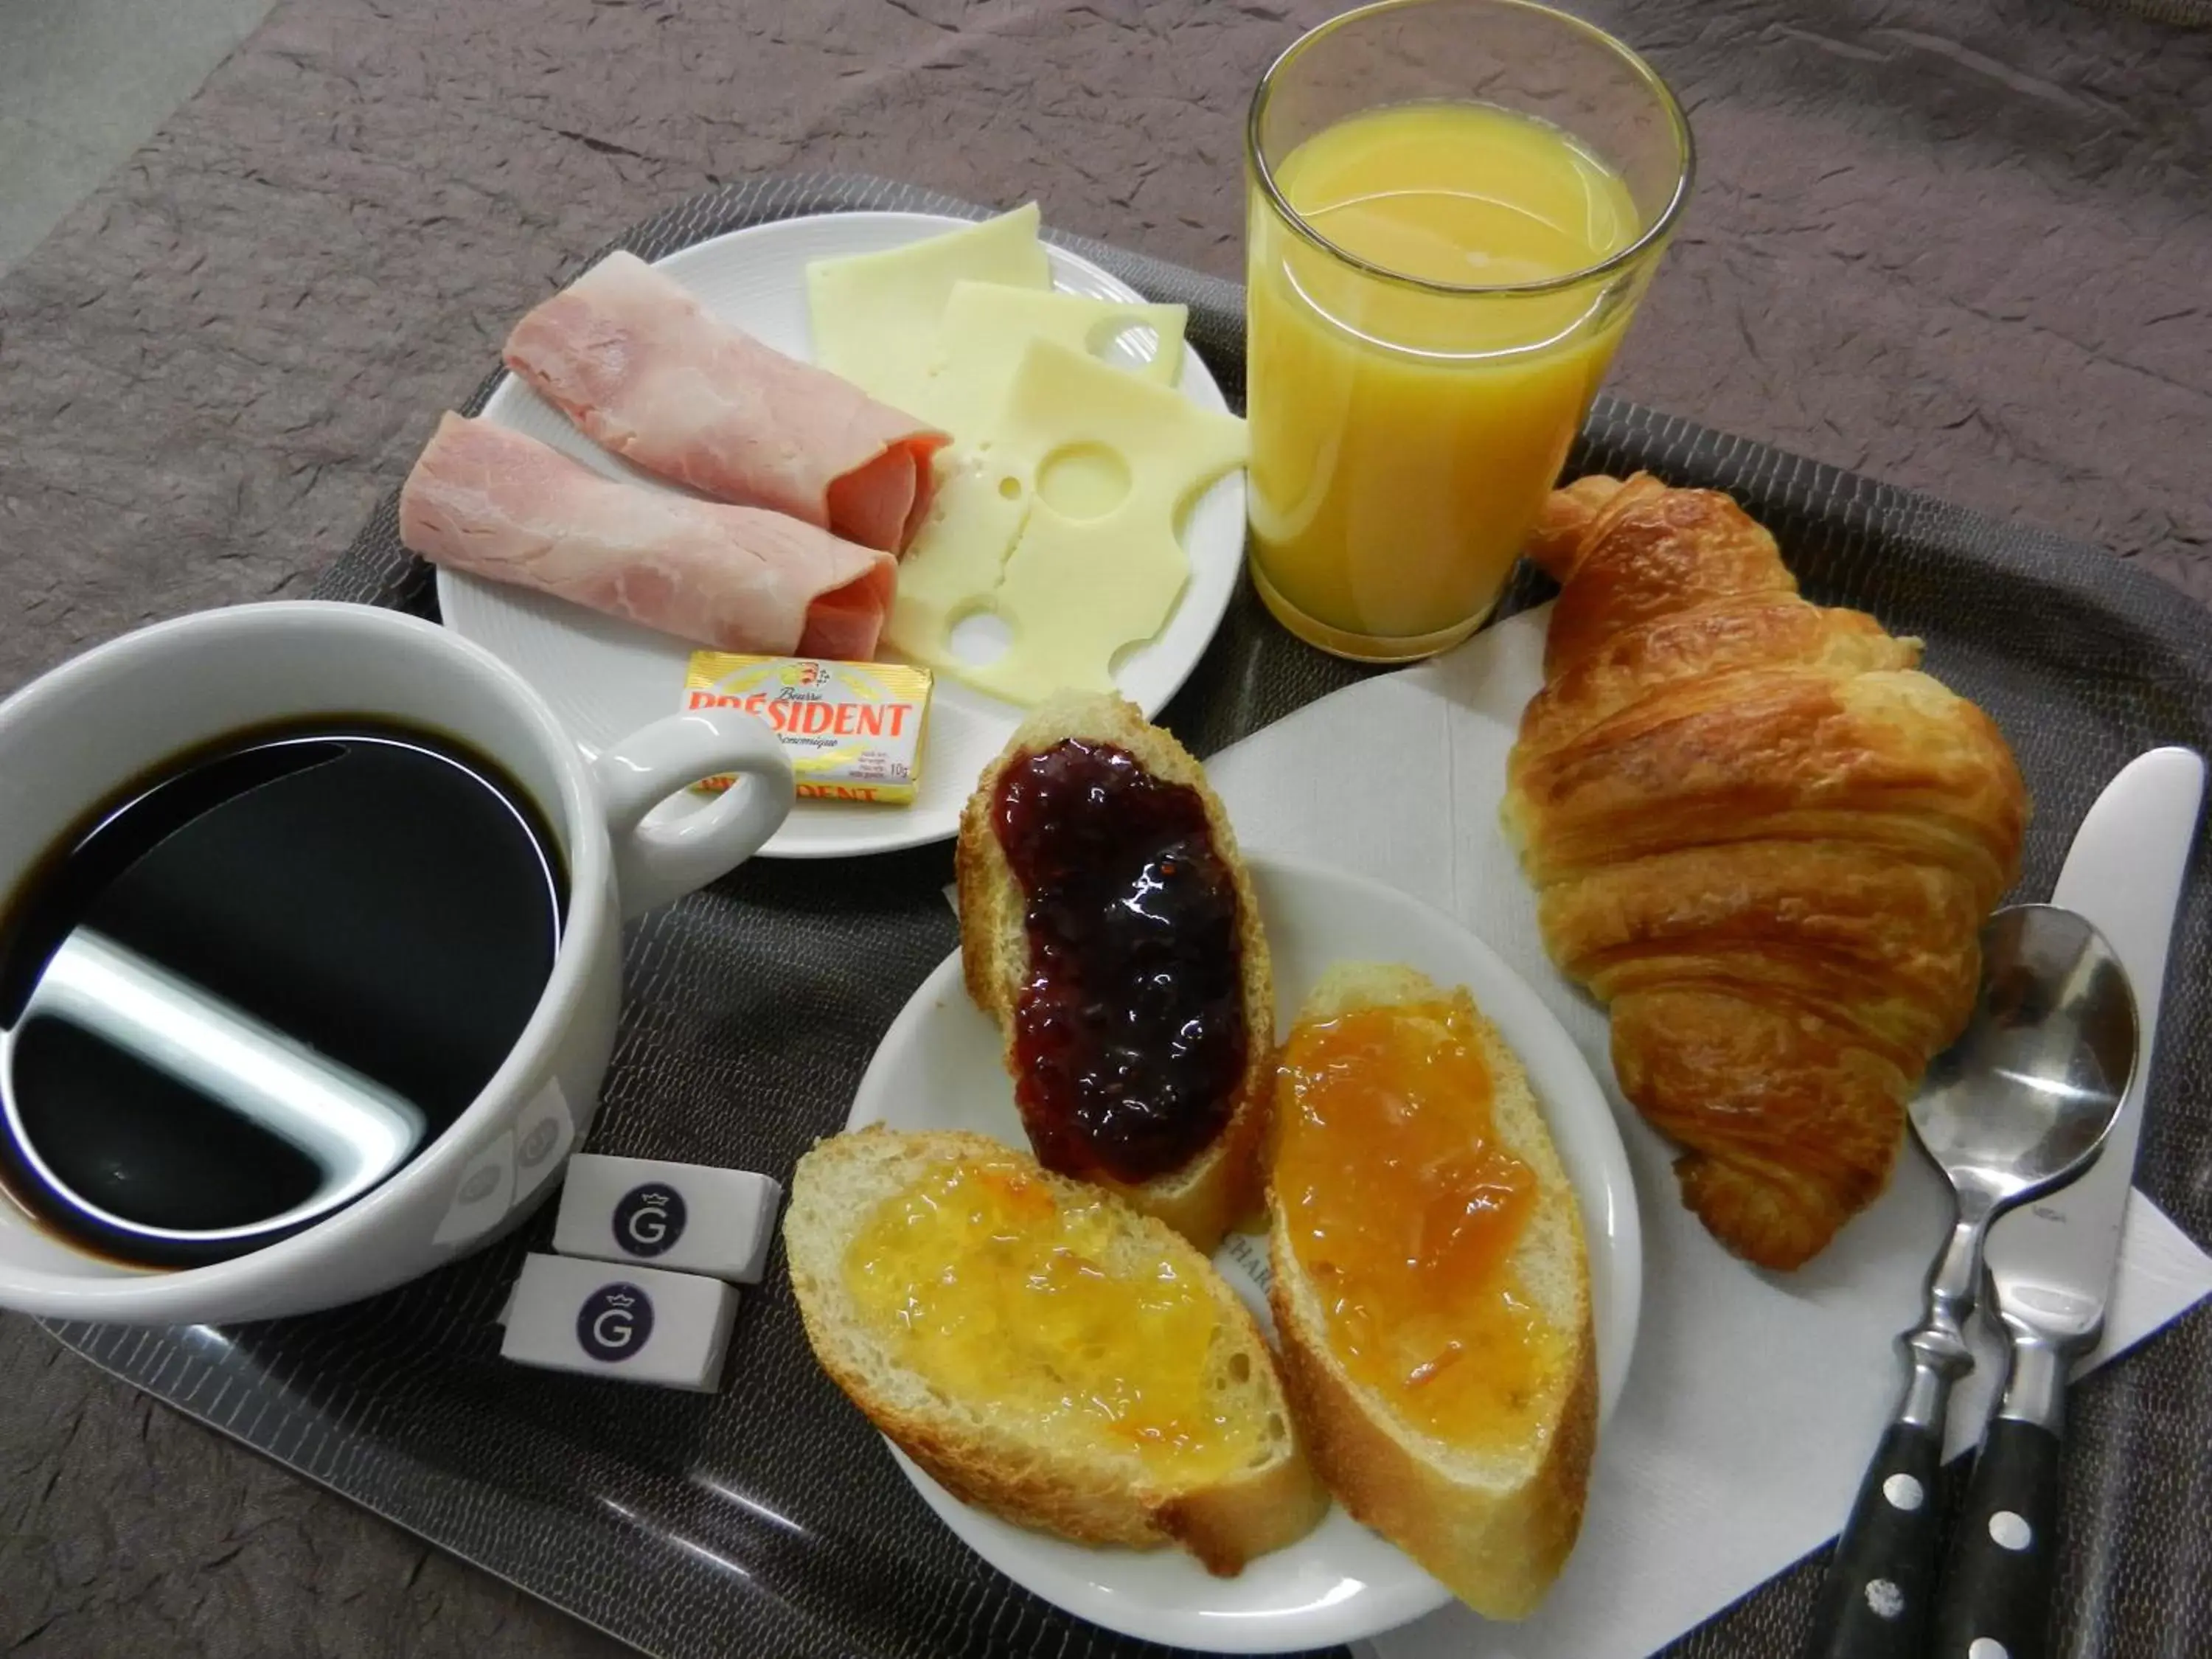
(979, 638)
(1123, 653)
(1123, 341)
(1011, 489)
(1083, 481)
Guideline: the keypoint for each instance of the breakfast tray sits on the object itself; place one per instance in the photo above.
(768, 1519)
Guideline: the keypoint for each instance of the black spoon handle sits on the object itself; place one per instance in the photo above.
(1877, 1601)
(1997, 1587)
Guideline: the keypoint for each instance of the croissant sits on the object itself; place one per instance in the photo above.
(1762, 837)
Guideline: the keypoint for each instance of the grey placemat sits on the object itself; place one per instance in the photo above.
(767, 1520)
(2186, 14)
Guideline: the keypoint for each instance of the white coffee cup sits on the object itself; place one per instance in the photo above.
(95, 725)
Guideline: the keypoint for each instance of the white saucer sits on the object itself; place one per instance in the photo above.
(605, 678)
(938, 1067)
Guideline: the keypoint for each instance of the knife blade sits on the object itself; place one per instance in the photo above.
(2050, 1263)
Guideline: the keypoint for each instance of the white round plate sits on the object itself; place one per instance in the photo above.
(605, 678)
(939, 1068)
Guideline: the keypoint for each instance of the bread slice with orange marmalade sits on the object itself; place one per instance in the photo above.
(1108, 924)
(1431, 1285)
(1044, 1350)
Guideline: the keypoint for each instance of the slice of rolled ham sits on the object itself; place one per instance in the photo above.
(642, 368)
(496, 504)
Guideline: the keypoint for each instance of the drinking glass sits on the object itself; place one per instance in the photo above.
(1453, 207)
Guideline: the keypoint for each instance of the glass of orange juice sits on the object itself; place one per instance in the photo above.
(1454, 207)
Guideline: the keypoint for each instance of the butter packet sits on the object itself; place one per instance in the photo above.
(853, 730)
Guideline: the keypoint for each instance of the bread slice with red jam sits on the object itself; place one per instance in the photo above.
(1108, 926)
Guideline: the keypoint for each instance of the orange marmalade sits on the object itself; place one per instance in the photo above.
(996, 1291)
(1404, 1211)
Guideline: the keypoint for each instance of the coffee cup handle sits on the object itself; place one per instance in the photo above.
(656, 863)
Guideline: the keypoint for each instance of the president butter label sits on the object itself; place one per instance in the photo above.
(853, 730)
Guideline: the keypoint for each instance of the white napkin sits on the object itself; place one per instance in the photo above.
(1754, 1399)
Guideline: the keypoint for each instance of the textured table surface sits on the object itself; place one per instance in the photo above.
(1961, 246)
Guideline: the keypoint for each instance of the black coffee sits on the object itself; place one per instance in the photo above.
(223, 972)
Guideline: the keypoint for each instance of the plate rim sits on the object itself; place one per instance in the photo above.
(905, 835)
(1623, 1243)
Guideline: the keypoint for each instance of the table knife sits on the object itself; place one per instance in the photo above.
(2050, 1262)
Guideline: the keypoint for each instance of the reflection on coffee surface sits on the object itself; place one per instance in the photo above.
(253, 984)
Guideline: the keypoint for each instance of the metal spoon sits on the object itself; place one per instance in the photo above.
(2017, 1106)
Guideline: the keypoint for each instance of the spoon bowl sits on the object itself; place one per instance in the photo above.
(2023, 1100)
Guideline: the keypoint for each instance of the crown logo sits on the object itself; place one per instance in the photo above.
(620, 1299)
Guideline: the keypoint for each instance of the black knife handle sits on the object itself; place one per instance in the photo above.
(1877, 1600)
(1997, 1587)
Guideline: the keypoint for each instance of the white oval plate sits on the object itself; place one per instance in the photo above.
(605, 678)
(938, 1067)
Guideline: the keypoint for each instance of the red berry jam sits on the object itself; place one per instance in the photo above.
(1129, 1033)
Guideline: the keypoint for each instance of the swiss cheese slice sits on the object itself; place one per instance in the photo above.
(986, 330)
(875, 315)
(1086, 473)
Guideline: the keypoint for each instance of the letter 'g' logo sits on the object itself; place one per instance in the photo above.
(615, 1322)
(649, 1219)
